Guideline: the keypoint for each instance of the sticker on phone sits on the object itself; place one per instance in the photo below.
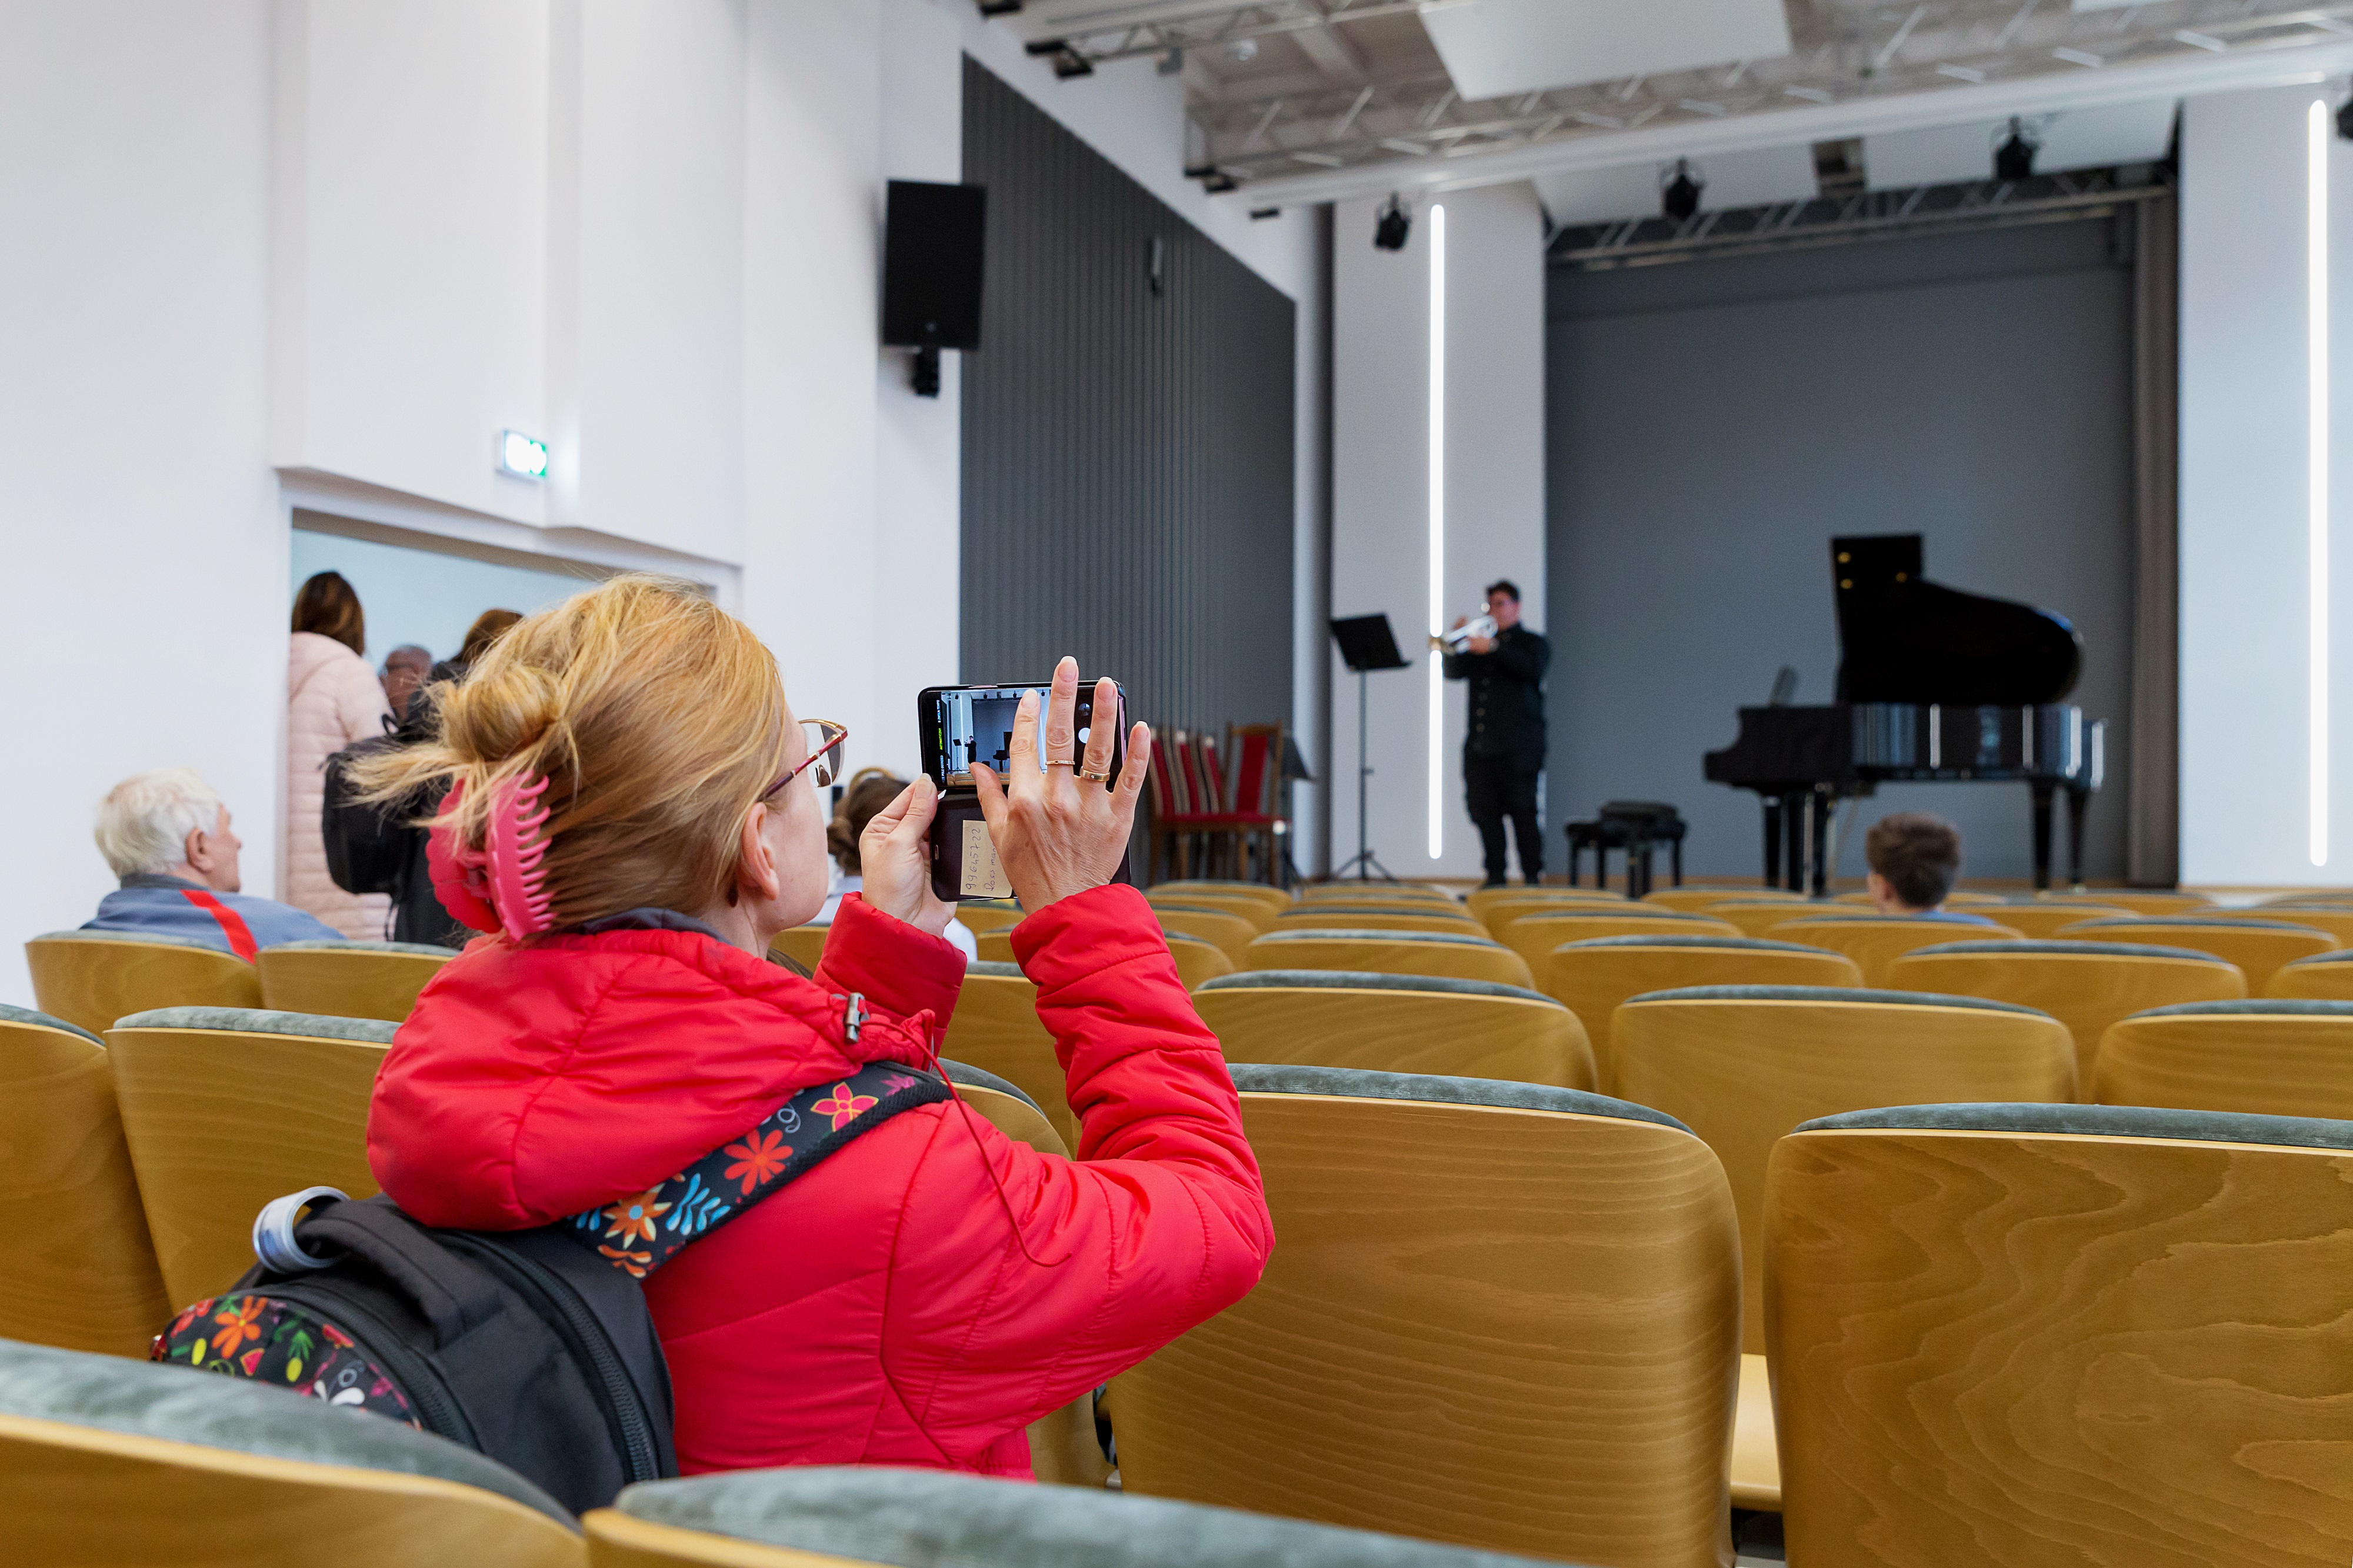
(984, 876)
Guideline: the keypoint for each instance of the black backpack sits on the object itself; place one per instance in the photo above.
(535, 1347)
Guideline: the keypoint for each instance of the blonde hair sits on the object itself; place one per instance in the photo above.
(657, 720)
(144, 822)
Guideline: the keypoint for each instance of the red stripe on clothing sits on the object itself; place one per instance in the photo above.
(233, 926)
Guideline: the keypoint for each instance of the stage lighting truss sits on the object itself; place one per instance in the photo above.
(1386, 108)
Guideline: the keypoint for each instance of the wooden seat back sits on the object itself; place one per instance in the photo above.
(2086, 985)
(2042, 1335)
(1442, 953)
(83, 1276)
(1875, 941)
(348, 979)
(2042, 922)
(225, 1108)
(1182, 891)
(1392, 1023)
(996, 1028)
(1227, 929)
(91, 978)
(1696, 898)
(1260, 912)
(1756, 916)
(1501, 916)
(1500, 1315)
(1197, 962)
(1742, 1065)
(805, 945)
(1535, 936)
(2259, 947)
(2327, 976)
(1592, 977)
(1329, 913)
(2259, 1058)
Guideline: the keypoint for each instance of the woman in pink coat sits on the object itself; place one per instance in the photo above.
(333, 699)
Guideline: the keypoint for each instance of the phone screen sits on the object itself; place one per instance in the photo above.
(966, 724)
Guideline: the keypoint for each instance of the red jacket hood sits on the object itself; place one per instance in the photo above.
(535, 1080)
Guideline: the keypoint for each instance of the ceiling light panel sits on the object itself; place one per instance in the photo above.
(1492, 47)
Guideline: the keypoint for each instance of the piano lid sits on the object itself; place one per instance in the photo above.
(1904, 639)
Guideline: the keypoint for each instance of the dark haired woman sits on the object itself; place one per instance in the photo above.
(333, 699)
(869, 793)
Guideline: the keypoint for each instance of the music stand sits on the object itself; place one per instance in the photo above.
(1366, 644)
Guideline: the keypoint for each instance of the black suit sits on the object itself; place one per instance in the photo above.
(1504, 751)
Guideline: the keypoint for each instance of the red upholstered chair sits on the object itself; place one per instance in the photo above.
(1192, 808)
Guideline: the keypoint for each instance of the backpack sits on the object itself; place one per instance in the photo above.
(367, 847)
(533, 1347)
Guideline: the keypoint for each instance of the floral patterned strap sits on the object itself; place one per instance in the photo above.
(637, 1234)
(270, 1340)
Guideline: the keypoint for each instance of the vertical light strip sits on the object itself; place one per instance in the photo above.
(1437, 526)
(2315, 290)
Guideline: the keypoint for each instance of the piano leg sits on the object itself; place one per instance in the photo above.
(1793, 829)
(2041, 834)
(1818, 838)
(2077, 800)
(1772, 839)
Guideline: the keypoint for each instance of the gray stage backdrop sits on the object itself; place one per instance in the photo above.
(1127, 454)
(1711, 425)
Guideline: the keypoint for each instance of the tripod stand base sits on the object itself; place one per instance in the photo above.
(1366, 863)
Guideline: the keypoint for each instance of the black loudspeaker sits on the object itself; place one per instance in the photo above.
(930, 265)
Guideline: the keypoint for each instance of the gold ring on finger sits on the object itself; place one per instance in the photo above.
(1059, 763)
(1098, 778)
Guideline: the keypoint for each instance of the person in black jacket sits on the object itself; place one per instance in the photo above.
(1504, 752)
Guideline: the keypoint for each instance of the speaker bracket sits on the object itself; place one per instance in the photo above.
(926, 378)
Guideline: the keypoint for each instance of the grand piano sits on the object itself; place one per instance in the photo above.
(1933, 684)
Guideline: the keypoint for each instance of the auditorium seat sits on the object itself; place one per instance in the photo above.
(91, 978)
(1273, 897)
(82, 1273)
(1347, 892)
(2258, 947)
(2036, 1334)
(989, 914)
(1875, 941)
(1742, 1065)
(1755, 917)
(1397, 1022)
(1197, 961)
(1442, 953)
(819, 1516)
(106, 1462)
(2266, 1056)
(805, 945)
(996, 1028)
(2086, 985)
(1501, 916)
(1258, 912)
(2041, 920)
(1063, 1448)
(1534, 937)
(1329, 912)
(1482, 902)
(2327, 976)
(1229, 930)
(1959, 898)
(348, 979)
(1501, 1315)
(1593, 976)
(2337, 923)
(227, 1108)
(2139, 900)
(1693, 898)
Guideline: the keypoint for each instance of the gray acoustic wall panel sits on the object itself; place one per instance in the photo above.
(1711, 424)
(1127, 448)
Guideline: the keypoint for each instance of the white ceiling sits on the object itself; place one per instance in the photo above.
(1745, 179)
(2072, 139)
(1492, 47)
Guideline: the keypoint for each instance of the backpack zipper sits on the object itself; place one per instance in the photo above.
(572, 1314)
(426, 1390)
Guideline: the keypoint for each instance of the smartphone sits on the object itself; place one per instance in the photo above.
(961, 725)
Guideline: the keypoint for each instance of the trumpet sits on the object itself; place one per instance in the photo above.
(1480, 626)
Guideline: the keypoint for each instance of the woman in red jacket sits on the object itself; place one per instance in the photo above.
(927, 1291)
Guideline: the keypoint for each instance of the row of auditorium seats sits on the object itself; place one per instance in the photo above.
(1513, 1315)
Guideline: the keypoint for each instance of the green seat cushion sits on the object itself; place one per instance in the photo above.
(2309, 1007)
(145, 1399)
(263, 1021)
(1829, 993)
(2194, 923)
(1344, 934)
(996, 967)
(12, 1015)
(937, 1519)
(977, 1078)
(421, 949)
(1366, 979)
(2098, 1121)
(1363, 1083)
(2311, 958)
(1728, 943)
(164, 939)
(2072, 949)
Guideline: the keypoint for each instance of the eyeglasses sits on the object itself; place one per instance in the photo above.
(824, 738)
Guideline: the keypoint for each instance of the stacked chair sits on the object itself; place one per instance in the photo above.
(1393, 1022)
(2039, 1334)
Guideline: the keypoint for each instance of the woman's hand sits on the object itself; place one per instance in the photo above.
(896, 864)
(1055, 833)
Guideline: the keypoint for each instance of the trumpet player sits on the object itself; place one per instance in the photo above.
(1504, 754)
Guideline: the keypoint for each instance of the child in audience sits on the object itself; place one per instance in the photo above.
(1914, 859)
(166, 835)
(634, 811)
(869, 791)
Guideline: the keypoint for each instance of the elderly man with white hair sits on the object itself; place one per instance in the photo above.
(166, 834)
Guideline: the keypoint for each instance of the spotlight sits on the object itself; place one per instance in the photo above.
(1390, 229)
(1000, 8)
(1170, 63)
(2014, 159)
(1678, 196)
(1066, 59)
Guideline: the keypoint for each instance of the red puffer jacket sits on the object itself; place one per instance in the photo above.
(880, 1311)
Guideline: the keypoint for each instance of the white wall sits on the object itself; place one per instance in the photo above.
(2246, 623)
(142, 576)
(1494, 493)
